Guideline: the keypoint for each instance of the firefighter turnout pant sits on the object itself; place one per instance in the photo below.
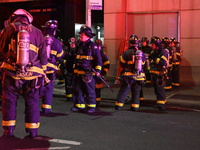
(126, 85)
(11, 90)
(84, 93)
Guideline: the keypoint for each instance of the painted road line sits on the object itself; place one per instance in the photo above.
(65, 142)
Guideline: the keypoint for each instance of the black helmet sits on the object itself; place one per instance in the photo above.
(134, 39)
(51, 24)
(172, 39)
(165, 40)
(145, 39)
(156, 40)
(87, 30)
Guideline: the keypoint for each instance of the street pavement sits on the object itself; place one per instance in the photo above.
(107, 129)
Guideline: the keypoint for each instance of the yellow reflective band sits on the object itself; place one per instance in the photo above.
(157, 72)
(24, 78)
(176, 84)
(98, 99)
(34, 48)
(119, 104)
(135, 105)
(129, 62)
(69, 95)
(106, 62)
(98, 67)
(163, 57)
(32, 125)
(128, 74)
(7, 66)
(161, 102)
(80, 105)
(53, 52)
(141, 98)
(148, 81)
(44, 67)
(84, 57)
(122, 60)
(61, 80)
(176, 63)
(91, 105)
(59, 55)
(105, 69)
(36, 69)
(179, 54)
(52, 66)
(168, 87)
(9, 123)
(157, 60)
(46, 106)
(49, 72)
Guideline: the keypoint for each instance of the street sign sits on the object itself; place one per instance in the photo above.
(96, 4)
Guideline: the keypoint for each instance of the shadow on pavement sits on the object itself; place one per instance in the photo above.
(14, 143)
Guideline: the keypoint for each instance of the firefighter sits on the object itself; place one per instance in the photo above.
(165, 44)
(54, 53)
(158, 69)
(132, 63)
(176, 60)
(88, 64)
(104, 70)
(24, 60)
(68, 69)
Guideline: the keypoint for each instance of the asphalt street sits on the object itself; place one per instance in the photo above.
(108, 129)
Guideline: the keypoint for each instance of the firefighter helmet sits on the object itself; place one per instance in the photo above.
(21, 12)
(172, 39)
(51, 24)
(145, 39)
(165, 40)
(87, 30)
(156, 40)
(134, 39)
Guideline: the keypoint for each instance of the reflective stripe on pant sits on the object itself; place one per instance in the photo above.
(124, 89)
(84, 92)
(10, 94)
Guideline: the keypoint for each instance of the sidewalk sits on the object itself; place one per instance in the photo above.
(181, 98)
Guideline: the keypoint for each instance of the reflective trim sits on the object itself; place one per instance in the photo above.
(161, 102)
(148, 81)
(130, 62)
(32, 125)
(122, 60)
(53, 52)
(9, 123)
(128, 74)
(49, 72)
(157, 60)
(106, 62)
(52, 66)
(68, 95)
(156, 72)
(163, 57)
(119, 104)
(80, 105)
(141, 98)
(91, 105)
(81, 72)
(7, 66)
(135, 105)
(105, 69)
(59, 55)
(36, 69)
(176, 84)
(84, 57)
(46, 106)
(34, 48)
(168, 87)
(98, 99)
(98, 67)
(44, 67)
(176, 63)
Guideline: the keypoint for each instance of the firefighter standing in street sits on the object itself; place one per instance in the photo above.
(104, 70)
(158, 69)
(168, 82)
(23, 49)
(87, 56)
(176, 59)
(132, 62)
(54, 53)
(68, 69)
